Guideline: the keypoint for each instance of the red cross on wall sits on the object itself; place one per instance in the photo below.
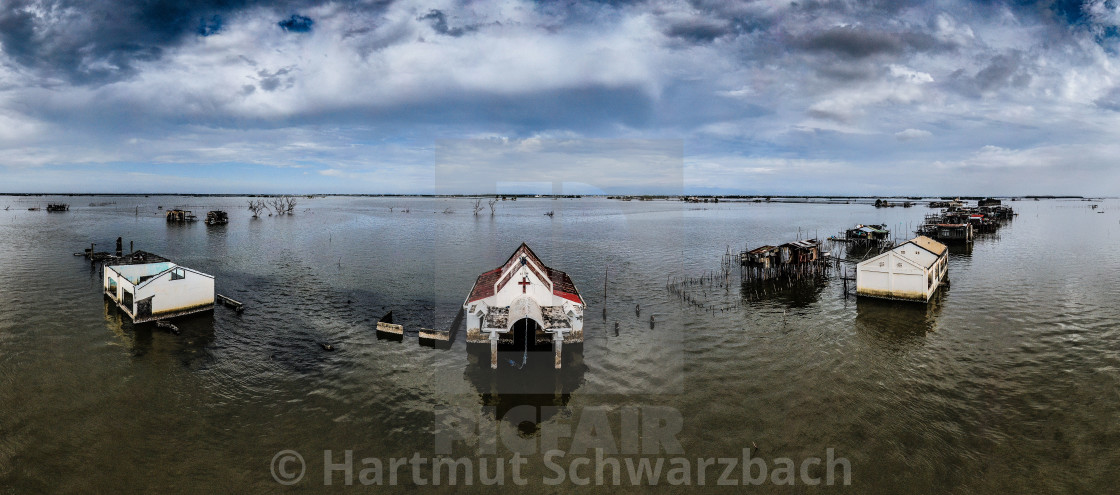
(524, 283)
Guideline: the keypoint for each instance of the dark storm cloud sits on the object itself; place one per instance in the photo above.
(699, 30)
(297, 24)
(1003, 70)
(859, 43)
(438, 20)
(93, 42)
(760, 83)
(1008, 70)
(1110, 100)
(280, 78)
(207, 27)
(847, 72)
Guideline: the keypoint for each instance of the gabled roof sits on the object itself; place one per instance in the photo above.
(484, 285)
(522, 249)
(562, 285)
(928, 244)
(888, 254)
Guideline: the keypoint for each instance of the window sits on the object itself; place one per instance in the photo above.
(178, 274)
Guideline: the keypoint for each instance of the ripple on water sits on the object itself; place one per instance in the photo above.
(1009, 379)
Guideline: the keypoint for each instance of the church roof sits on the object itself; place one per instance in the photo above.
(562, 285)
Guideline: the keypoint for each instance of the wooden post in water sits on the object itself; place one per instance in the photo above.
(557, 342)
(493, 350)
(606, 275)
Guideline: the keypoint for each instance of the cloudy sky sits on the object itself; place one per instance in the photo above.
(758, 96)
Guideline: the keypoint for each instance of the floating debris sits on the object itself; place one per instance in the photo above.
(230, 302)
(168, 325)
(429, 334)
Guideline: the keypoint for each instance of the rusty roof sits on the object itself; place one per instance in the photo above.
(484, 286)
(806, 244)
(928, 244)
(562, 284)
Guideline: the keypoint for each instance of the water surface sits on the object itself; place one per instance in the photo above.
(1007, 383)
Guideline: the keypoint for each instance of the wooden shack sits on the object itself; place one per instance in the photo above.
(180, 216)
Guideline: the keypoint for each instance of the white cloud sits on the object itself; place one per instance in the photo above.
(369, 91)
(908, 134)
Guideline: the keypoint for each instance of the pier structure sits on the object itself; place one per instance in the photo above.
(960, 224)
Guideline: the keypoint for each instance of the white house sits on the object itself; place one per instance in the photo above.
(525, 294)
(157, 289)
(912, 271)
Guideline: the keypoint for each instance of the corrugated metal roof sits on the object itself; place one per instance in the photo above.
(809, 243)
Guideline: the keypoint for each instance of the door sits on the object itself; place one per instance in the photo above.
(144, 308)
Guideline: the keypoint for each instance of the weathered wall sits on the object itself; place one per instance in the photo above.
(177, 295)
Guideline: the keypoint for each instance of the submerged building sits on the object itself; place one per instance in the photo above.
(148, 287)
(524, 296)
(912, 271)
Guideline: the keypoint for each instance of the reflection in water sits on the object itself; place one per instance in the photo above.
(1011, 376)
(537, 384)
(196, 332)
(963, 249)
(898, 323)
(794, 294)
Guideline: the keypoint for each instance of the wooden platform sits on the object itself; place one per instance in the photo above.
(227, 301)
(429, 334)
(390, 328)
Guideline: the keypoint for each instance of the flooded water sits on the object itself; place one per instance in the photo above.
(1006, 383)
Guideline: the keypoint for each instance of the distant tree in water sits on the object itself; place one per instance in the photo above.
(257, 206)
(284, 205)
